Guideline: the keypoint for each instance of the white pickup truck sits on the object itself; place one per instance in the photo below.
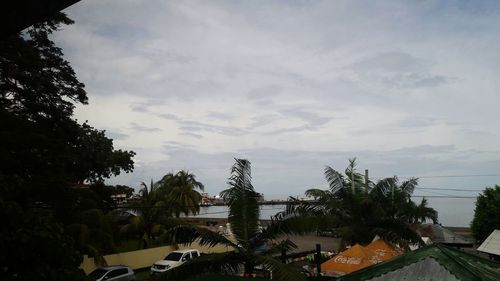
(174, 259)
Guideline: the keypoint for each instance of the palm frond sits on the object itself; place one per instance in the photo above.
(285, 245)
(285, 223)
(423, 212)
(397, 232)
(385, 186)
(334, 179)
(281, 271)
(242, 201)
(187, 234)
(407, 187)
(316, 193)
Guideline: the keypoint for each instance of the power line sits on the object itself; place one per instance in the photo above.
(445, 196)
(448, 189)
(439, 193)
(453, 176)
(441, 176)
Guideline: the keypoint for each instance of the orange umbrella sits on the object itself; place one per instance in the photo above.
(352, 259)
(383, 250)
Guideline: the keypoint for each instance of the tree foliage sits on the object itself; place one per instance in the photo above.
(249, 238)
(40, 142)
(181, 192)
(45, 153)
(35, 80)
(34, 246)
(151, 214)
(487, 213)
(359, 210)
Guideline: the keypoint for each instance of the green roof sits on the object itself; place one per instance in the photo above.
(450, 263)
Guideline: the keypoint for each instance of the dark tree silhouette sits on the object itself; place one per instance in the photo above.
(359, 213)
(45, 152)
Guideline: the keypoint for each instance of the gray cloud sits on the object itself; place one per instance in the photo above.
(170, 116)
(190, 126)
(289, 130)
(139, 108)
(140, 128)
(404, 126)
(311, 118)
(265, 92)
(220, 116)
(425, 150)
(116, 135)
(191, 134)
(396, 69)
(145, 106)
(417, 122)
(262, 120)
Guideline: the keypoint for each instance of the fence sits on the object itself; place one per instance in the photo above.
(145, 258)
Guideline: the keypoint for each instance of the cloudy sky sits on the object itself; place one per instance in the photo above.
(410, 88)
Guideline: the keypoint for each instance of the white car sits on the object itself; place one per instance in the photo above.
(113, 273)
(174, 259)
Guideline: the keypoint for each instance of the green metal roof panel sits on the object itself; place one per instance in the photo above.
(427, 269)
(462, 265)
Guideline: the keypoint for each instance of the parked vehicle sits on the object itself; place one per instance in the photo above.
(113, 273)
(174, 259)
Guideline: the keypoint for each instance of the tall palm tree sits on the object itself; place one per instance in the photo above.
(359, 214)
(152, 215)
(249, 237)
(181, 191)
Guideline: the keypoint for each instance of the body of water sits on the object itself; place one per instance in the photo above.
(451, 211)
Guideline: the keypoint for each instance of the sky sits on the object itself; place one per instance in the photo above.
(409, 88)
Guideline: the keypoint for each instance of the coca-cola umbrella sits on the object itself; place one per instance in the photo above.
(350, 260)
(384, 250)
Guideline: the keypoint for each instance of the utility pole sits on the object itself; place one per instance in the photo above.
(352, 180)
(317, 260)
(366, 180)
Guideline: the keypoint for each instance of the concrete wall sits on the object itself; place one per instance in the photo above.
(145, 258)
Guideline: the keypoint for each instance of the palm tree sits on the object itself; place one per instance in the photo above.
(360, 213)
(249, 237)
(93, 234)
(152, 215)
(181, 192)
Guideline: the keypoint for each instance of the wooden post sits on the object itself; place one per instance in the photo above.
(318, 260)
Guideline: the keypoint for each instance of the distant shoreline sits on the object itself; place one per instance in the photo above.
(266, 202)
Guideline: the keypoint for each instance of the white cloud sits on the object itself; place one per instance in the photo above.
(220, 79)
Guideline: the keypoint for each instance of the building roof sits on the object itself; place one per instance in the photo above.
(492, 244)
(20, 14)
(441, 235)
(434, 262)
